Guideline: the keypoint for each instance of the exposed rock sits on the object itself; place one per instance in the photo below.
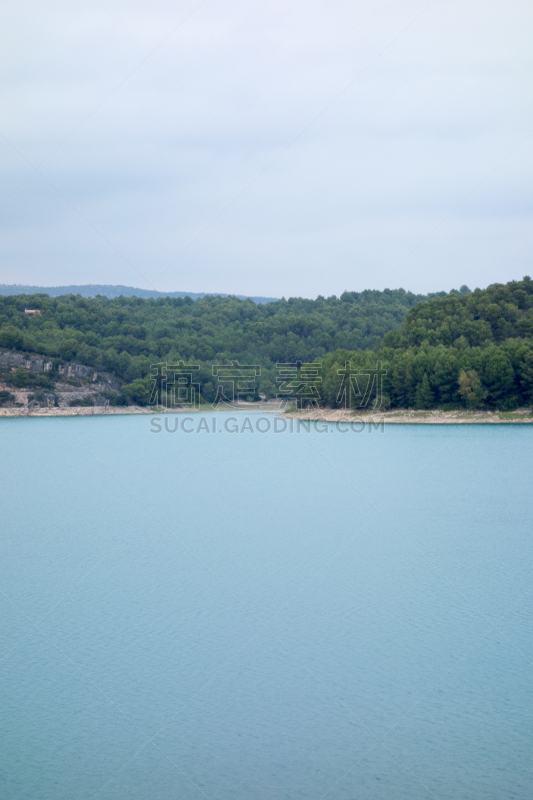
(77, 371)
(43, 400)
(12, 360)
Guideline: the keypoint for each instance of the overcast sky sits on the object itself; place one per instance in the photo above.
(266, 148)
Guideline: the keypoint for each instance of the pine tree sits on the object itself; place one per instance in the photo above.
(424, 396)
(471, 388)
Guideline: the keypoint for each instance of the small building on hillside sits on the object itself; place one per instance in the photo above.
(32, 311)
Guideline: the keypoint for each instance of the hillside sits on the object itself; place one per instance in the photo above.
(465, 349)
(471, 351)
(93, 290)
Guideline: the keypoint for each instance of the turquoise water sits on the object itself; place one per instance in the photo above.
(265, 616)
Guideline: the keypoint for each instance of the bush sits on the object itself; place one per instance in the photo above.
(138, 391)
(114, 398)
(88, 400)
(19, 377)
(6, 397)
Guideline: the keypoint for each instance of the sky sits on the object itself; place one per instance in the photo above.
(273, 148)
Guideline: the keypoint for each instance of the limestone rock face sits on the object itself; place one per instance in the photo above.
(77, 371)
(11, 360)
(43, 400)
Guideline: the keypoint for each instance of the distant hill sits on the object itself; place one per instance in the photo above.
(92, 290)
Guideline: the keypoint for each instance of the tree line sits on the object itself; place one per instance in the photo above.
(473, 351)
(124, 336)
(461, 349)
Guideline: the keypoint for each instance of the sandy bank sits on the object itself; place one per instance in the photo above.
(520, 416)
(401, 416)
(90, 411)
(79, 411)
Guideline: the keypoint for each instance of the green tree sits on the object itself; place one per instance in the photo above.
(424, 396)
(6, 397)
(138, 391)
(498, 375)
(526, 375)
(11, 337)
(471, 389)
(19, 377)
(68, 349)
(445, 375)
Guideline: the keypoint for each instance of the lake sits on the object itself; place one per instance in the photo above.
(261, 615)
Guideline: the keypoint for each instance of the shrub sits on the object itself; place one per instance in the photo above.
(6, 397)
(88, 400)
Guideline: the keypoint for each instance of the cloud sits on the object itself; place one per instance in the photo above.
(267, 148)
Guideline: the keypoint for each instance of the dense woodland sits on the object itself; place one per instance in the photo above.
(474, 350)
(469, 349)
(126, 335)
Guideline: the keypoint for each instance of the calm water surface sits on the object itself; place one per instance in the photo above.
(263, 616)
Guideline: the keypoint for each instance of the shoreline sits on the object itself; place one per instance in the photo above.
(107, 411)
(409, 417)
(398, 417)
(76, 411)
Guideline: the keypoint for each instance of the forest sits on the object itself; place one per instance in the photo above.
(461, 349)
(473, 350)
(124, 336)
